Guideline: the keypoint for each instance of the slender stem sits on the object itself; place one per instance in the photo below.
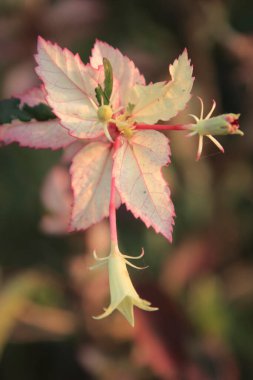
(112, 208)
(161, 127)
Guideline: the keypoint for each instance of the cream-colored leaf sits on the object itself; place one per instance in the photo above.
(139, 180)
(91, 173)
(70, 86)
(163, 100)
(32, 97)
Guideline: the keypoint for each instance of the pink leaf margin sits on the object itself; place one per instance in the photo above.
(168, 236)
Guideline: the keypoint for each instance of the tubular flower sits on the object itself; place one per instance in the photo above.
(123, 295)
(226, 124)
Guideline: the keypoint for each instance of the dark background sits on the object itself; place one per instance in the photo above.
(203, 282)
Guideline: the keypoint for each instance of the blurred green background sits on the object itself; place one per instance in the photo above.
(203, 282)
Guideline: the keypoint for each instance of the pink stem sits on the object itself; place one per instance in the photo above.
(161, 127)
(112, 208)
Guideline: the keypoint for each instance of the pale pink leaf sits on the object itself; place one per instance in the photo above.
(36, 134)
(124, 69)
(70, 86)
(163, 100)
(70, 151)
(91, 173)
(138, 178)
(32, 97)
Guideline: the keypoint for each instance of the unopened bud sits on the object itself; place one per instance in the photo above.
(226, 124)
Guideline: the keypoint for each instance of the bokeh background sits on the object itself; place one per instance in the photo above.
(203, 282)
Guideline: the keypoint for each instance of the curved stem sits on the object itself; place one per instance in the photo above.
(161, 127)
(112, 208)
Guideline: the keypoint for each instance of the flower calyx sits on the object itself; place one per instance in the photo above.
(226, 124)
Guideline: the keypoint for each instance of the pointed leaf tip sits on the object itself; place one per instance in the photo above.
(163, 100)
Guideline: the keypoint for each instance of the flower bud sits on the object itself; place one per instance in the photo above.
(226, 124)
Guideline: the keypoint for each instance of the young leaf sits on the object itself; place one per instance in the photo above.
(108, 82)
(138, 178)
(91, 172)
(162, 101)
(103, 96)
(124, 70)
(99, 94)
